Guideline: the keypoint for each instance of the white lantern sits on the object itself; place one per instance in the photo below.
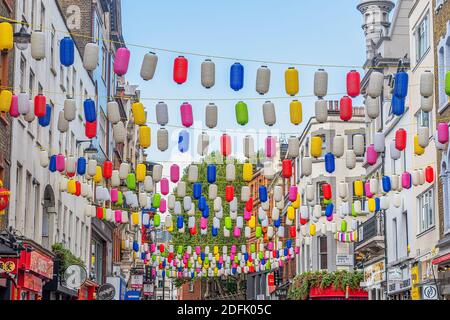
(372, 107)
(157, 173)
(162, 139)
(310, 192)
(187, 203)
(177, 208)
(247, 232)
(306, 166)
(113, 112)
(265, 205)
(181, 189)
(249, 147)
(216, 223)
(171, 202)
(234, 205)
(148, 67)
(208, 74)
(426, 103)
(275, 214)
(230, 172)
(23, 103)
(63, 184)
(384, 202)
(217, 204)
(226, 232)
(338, 146)
(357, 206)
(245, 193)
(379, 142)
(415, 177)
(375, 86)
(219, 214)
(211, 115)
(70, 109)
(43, 158)
(423, 134)
(191, 222)
(280, 232)
(30, 116)
(269, 113)
(90, 57)
(142, 199)
(277, 193)
(119, 132)
(304, 212)
(421, 176)
(373, 185)
(394, 152)
(71, 164)
(262, 214)
(168, 222)
(212, 191)
(162, 113)
(148, 184)
(280, 204)
(193, 173)
(63, 124)
(203, 144)
(395, 182)
(124, 170)
(92, 167)
(345, 208)
(268, 170)
(321, 108)
(293, 147)
(333, 227)
(270, 232)
(262, 80)
(343, 190)
(320, 83)
(38, 45)
(426, 84)
(397, 200)
(317, 211)
(358, 145)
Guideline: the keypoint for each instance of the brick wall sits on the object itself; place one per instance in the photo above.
(185, 294)
(6, 10)
(439, 30)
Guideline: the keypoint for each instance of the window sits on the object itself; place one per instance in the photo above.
(23, 66)
(18, 204)
(394, 240)
(61, 78)
(422, 38)
(33, 13)
(405, 232)
(74, 81)
(31, 84)
(72, 144)
(52, 48)
(65, 225)
(104, 62)
(323, 255)
(29, 205)
(423, 119)
(59, 223)
(68, 79)
(67, 144)
(191, 286)
(82, 243)
(320, 199)
(42, 16)
(50, 128)
(77, 234)
(70, 230)
(37, 209)
(97, 259)
(426, 211)
(102, 130)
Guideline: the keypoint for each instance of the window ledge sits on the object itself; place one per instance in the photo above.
(62, 88)
(425, 232)
(52, 69)
(443, 107)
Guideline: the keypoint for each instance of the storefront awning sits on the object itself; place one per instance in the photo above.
(442, 259)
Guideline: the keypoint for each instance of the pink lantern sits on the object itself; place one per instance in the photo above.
(247, 215)
(14, 109)
(152, 247)
(371, 155)
(114, 195)
(60, 163)
(442, 130)
(187, 118)
(164, 186)
(174, 173)
(221, 259)
(271, 145)
(293, 191)
(330, 218)
(163, 206)
(367, 190)
(121, 61)
(280, 262)
(236, 232)
(233, 248)
(297, 250)
(203, 223)
(232, 256)
(406, 180)
(118, 215)
(270, 246)
(198, 250)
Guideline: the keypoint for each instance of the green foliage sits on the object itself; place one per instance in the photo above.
(66, 257)
(303, 283)
(185, 239)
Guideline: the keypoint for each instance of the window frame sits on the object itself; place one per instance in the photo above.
(426, 221)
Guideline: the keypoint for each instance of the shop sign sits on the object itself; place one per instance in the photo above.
(137, 281)
(374, 273)
(75, 276)
(344, 260)
(106, 292)
(271, 283)
(430, 292)
(415, 289)
(40, 264)
(8, 266)
(395, 275)
(148, 290)
(31, 282)
(132, 295)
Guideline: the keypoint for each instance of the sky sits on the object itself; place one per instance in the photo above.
(294, 31)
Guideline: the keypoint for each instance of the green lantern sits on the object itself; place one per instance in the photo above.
(157, 220)
(258, 232)
(447, 83)
(131, 181)
(241, 113)
(156, 201)
(343, 226)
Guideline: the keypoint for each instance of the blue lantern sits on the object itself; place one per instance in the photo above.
(211, 173)
(289, 243)
(329, 210)
(246, 256)
(398, 105)
(52, 164)
(202, 203)
(89, 110)
(330, 164)
(183, 141)
(237, 76)
(214, 232)
(286, 251)
(219, 265)
(377, 204)
(45, 120)
(263, 194)
(386, 181)
(67, 51)
(180, 222)
(205, 212)
(202, 256)
(277, 223)
(81, 166)
(401, 85)
(234, 270)
(197, 188)
(135, 246)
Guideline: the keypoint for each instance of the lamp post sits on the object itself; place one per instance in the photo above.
(22, 38)
(89, 151)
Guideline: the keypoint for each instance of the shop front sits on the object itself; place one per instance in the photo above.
(399, 282)
(442, 263)
(88, 291)
(56, 288)
(28, 273)
(374, 280)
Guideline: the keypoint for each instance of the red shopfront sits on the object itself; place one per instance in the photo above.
(87, 290)
(31, 271)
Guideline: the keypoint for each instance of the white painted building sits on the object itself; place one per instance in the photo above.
(38, 210)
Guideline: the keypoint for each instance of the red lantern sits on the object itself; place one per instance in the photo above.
(346, 108)
(229, 193)
(292, 231)
(107, 169)
(77, 188)
(400, 139)
(4, 198)
(99, 213)
(225, 145)
(70, 174)
(193, 231)
(287, 168)
(249, 205)
(326, 190)
(274, 253)
(251, 269)
(303, 221)
(429, 174)
(161, 247)
(353, 83)
(91, 129)
(180, 69)
(40, 105)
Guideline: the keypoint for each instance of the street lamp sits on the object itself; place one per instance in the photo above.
(22, 38)
(91, 150)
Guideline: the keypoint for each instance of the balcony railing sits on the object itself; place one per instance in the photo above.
(371, 228)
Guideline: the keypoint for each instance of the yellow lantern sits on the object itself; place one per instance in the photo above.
(359, 188)
(296, 112)
(312, 230)
(6, 36)
(297, 203)
(98, 177)
(141, 170)
(217, 256)
(372, 205)
(216, 250)
(247, 172)
(71, 186)
(291, 81)
(316, 146)
(170, 229)
(138, 113)
(252, 222)
(291, 213)
(5, 100)
(216, 271)
(418, 149)
(135, 218)
(145, 139)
